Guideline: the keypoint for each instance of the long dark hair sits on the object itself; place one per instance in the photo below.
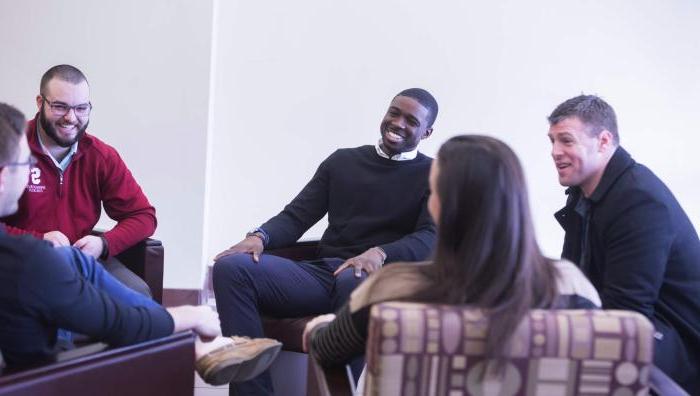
(486, 253)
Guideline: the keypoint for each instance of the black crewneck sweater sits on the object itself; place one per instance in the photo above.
(370, 200)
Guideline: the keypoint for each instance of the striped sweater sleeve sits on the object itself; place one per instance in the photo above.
(341, 340)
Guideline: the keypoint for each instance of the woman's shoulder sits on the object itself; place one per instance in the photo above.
(572, 282)
(395, 281)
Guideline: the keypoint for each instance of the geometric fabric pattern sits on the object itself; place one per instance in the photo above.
(430, 349)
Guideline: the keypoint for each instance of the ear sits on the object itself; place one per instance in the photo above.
(605, 140)
(39, 101)
(427, 133)
(3, 178)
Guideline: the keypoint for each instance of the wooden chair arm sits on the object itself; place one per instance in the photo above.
(662, 384)
(320, 380)
(164, 366)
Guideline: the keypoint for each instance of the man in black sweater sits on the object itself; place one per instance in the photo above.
(628, 234)
(375, 197)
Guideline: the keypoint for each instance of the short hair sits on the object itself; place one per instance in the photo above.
(12, 124)
(592, 111)
(67, 73)
(425, 99)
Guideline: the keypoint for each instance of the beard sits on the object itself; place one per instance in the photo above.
(53, 133)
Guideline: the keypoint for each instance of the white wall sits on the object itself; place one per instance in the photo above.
(148, 65)
(292, 81)
(295, 80)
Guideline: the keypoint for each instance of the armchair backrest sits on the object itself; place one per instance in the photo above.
(146, 260)
(426, 349)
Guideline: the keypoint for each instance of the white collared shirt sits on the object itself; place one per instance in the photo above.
(407, 156)
(66, 160)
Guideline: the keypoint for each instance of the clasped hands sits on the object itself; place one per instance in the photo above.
(89, 244)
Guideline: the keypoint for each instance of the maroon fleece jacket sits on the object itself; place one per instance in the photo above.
(71, 201)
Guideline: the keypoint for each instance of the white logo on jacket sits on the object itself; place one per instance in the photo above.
(35, 175)
(34, 180)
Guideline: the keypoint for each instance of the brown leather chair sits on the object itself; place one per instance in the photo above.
(145, 259)
(159, 367)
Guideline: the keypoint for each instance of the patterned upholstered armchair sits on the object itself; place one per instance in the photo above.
(437, 349)
(421, 349)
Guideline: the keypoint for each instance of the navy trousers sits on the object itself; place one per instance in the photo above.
(275, 287)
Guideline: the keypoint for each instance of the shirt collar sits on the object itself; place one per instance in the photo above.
(406, 156)
(66, 160)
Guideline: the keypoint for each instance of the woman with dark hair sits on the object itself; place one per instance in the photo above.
(486, 255)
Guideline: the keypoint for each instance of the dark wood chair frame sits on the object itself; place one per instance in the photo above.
(146, 259)
(159, 367)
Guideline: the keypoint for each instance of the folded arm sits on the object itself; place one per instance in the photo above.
(125, 202)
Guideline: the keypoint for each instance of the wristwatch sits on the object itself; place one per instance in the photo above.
(381, 253)
(260, 233)
(105, 248)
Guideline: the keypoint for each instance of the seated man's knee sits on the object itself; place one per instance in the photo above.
(345, 283)
(118, 270)
(347, 279)
(231, 267)
(140, 286)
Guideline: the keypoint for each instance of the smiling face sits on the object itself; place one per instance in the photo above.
(63, 130)
(580, 158)
(404, 125)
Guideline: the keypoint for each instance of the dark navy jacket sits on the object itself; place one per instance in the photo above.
(41, 291)
(643, 254)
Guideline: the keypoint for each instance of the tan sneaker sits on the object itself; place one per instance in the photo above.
(241, 360)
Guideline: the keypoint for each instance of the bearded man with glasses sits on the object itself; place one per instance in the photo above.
(75, 174)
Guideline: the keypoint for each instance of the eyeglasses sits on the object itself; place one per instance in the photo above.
(60, 109)
(31, 161)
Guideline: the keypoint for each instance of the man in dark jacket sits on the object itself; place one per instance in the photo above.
(628, 234)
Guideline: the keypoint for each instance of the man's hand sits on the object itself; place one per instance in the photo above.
(369, 261)
(57, 238)
(251, 244)
(208, 325)
(310, 326)
(91, 245)
(201, 319)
